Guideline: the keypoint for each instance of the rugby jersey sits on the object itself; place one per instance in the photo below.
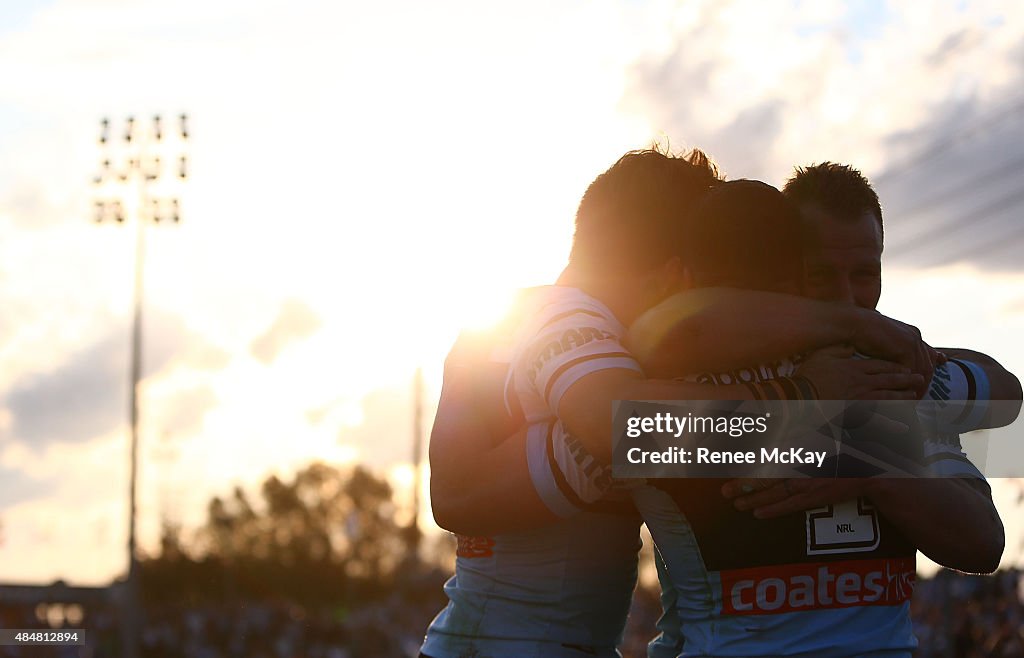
(832, 581)
(564, 590)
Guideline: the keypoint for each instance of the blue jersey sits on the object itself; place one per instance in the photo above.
(833, 581)
(561, 591)
(564, 590)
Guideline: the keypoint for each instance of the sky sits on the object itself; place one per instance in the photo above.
(366, 178)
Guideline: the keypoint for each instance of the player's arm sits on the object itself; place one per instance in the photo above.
(949, 517)
(831, 374)
(488, 492)
(577, 364)
(490, 472)
(716, 329)
(479, 475)
(540, 474)
(968, 538)
(972, 376)
(483, 482)
(482, 490)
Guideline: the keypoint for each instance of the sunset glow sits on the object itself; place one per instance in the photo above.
(362, 187)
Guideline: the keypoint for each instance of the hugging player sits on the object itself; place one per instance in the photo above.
(546, 590)
(735, 585)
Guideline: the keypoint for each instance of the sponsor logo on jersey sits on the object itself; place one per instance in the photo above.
(756, 375)
(570, 339)
(847, 527)
(474, 547)
(801, 587)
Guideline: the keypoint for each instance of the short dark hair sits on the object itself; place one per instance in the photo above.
(744, 234)
(837, 189)
(631, 218)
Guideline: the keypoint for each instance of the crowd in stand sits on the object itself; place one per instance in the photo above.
(958, 616)
(254, 630)
(955, 616)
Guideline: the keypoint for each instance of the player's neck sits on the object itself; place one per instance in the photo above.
(620, 297)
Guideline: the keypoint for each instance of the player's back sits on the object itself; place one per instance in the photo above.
(740, 586)
(735, 585)
(833, 581)
(562, 590)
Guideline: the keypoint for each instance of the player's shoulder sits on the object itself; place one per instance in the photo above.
(536, 316)
(491, 343)
(559, 307)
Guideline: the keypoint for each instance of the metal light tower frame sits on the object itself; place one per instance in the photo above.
(415, 534)
(131, 200)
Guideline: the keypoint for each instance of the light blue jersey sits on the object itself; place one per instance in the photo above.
(831, 582)
(564, 590)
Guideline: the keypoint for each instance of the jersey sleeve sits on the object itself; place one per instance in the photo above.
(569, 344)
(571, 480)
(957, 399)
(945, 457)
(561, 344)
(957, 402)
(567, 477)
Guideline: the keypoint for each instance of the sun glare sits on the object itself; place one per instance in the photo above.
(401, 476)
(483, 310)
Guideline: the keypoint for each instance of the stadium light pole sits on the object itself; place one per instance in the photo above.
(125, 192)
(417, 451)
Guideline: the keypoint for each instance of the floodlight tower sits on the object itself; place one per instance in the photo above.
(415, 534)
(135, 185)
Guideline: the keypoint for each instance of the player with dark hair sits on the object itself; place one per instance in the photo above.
(628, 219)
(743, 235)
(708, 271)
(842, 214)
(790, 583)
(557, 581)
(843, 235)
(837, 187)
(843, 232)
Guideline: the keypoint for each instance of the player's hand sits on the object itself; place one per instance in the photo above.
(796, 495)
(745, 486)
(883, 337)
(838, 376)
(871, 420)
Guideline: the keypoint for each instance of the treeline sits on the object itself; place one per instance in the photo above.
(326, 537)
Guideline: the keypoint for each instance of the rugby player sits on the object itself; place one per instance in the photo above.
(843, 232)
(876, 631)
(564, 588)
(734, 585)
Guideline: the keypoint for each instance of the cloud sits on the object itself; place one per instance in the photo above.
(183, 413)
(1015, 307)
(87, 394)
(926, 103)
(387, 427)
(82, 398)
(17, 487)
(736, 79)
(958, 40)
(206, 356)
(763, 124)
(294, 322)
(27, 206)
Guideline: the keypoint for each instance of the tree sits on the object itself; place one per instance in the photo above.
(327, 534)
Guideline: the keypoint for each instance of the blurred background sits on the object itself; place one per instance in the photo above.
(349, 185)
